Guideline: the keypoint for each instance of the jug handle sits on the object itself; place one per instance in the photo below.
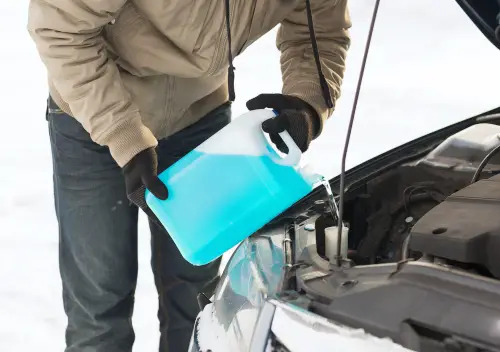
(294, 153)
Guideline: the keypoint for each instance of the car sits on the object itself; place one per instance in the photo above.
(420, 272)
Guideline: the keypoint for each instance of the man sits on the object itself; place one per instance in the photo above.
(134, 86)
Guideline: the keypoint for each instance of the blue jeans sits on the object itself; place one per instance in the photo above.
(98, 242)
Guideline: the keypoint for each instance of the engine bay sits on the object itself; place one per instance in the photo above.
(421, 264)
(435, 200)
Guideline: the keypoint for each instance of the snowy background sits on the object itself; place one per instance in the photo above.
(429, 67)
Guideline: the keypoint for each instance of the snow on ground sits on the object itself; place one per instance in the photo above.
(429, 67)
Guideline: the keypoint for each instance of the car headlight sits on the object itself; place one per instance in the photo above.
(254, 272)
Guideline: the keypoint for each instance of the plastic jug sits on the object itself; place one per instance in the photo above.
(228, 188)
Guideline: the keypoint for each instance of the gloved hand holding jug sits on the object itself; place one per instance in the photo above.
(141, 172)
(295, 116)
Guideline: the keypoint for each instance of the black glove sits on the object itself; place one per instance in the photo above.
(295, 116)
(141, 173)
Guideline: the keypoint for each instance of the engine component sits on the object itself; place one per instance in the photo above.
(422, 306)
(465, 228)
(467, 147)
(485, 162)
(395, 201)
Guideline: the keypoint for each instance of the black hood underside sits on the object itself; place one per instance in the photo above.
(485, 14)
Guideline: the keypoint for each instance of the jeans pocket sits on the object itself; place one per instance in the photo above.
(70, 139)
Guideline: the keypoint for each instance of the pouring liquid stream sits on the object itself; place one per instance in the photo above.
(340, 241)
(334, 210)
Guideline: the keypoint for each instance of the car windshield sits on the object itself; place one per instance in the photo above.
(429, 66)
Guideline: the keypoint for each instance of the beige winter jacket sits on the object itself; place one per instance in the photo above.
(134, 71)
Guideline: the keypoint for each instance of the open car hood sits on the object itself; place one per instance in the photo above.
(484, 14)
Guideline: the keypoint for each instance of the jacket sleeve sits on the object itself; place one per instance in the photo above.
(300, 75)
(67, 34)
